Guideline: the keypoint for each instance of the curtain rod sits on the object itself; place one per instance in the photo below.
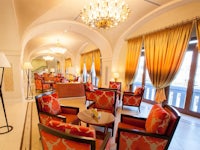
(167, 27)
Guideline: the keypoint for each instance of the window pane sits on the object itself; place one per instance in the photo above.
(149, 93)
(195, 102)
(178, 87)
(138, 78)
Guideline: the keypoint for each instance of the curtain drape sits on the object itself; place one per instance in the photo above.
(198, 33)
(164, 51)
(68, 63)
(88, 58)
(132, 59)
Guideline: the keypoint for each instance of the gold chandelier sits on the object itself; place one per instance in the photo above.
(105, 13)
(58, 48)
(48, 58)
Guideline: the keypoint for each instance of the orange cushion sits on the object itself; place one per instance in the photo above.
(138, 91)
(158, 120)
(50, 104)
(89, 86)
(73, 129)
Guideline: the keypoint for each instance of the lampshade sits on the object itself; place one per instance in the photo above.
(27, 65)
(3, 60)
(116, 75)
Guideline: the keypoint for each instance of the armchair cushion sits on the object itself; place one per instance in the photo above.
(50, 104)
(114, 85)
(73, 129)
(158, 120)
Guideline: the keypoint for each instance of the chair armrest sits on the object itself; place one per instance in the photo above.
(142, 133)
(45, 117)
(69, 110)
(132, 120)
(128, 93)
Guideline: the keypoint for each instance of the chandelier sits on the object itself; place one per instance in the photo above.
(58, 48)
(105, 13)
(48, 58)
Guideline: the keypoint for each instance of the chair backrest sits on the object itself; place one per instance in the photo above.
(174, 120)
(115, 85)
(38, 99)
(57, 140)
(106, 99)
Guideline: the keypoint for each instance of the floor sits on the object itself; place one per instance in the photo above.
(186, 136)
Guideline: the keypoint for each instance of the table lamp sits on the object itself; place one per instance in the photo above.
(4, 63)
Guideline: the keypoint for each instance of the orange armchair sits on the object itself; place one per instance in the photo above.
(41, 86)
(105, 100)
(117, 86)
(133, 98)
(152, 133)
(49, 108)
(60, 135)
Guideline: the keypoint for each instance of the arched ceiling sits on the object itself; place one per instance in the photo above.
(38, 24)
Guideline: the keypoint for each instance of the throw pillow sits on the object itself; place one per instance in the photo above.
(158, 120)
(73, 129)
(89, 86)
(50, 104)
(138, 91)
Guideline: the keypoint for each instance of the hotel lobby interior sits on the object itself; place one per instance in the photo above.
(82, 49)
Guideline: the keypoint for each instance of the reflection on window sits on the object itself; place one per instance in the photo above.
(195, 103)
(178, 87)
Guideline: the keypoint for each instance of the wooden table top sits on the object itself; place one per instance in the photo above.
(104, 119)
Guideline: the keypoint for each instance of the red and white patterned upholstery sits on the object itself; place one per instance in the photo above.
(48, 108)
(105, 100)
(152, 133)
(63, 136)
(118, 86)
(133, 99)
(158, 120)
(50, 104)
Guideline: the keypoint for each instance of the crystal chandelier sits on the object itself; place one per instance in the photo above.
(48, 58)
(105, 13)
(58, 48)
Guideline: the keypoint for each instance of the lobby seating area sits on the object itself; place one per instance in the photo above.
(154, 132)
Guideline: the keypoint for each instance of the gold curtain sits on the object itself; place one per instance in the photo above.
(88, 57)
(198, 32)
(164, 51)
(68, 63)
(132, 59)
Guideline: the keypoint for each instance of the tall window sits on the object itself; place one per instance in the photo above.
(178, 87)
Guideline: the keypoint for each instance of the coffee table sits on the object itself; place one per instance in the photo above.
(104, 120)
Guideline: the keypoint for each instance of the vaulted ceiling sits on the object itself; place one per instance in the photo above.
(33, 26)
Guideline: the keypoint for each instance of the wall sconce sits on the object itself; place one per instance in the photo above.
(116, 76)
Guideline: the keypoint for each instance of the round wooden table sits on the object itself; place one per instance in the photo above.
(104, 119)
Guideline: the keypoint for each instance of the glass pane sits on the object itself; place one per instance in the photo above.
(149, 92)
(138, 78)
(195, 102)
(178, 87)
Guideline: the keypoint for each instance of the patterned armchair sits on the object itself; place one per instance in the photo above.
(133, 98)
(116, 85)
(89, 92)
(105, 100)
(49, 108)
(152, 133)
(60, 135)
(41, 86)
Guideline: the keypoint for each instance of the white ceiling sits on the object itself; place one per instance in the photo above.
(34, 26)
